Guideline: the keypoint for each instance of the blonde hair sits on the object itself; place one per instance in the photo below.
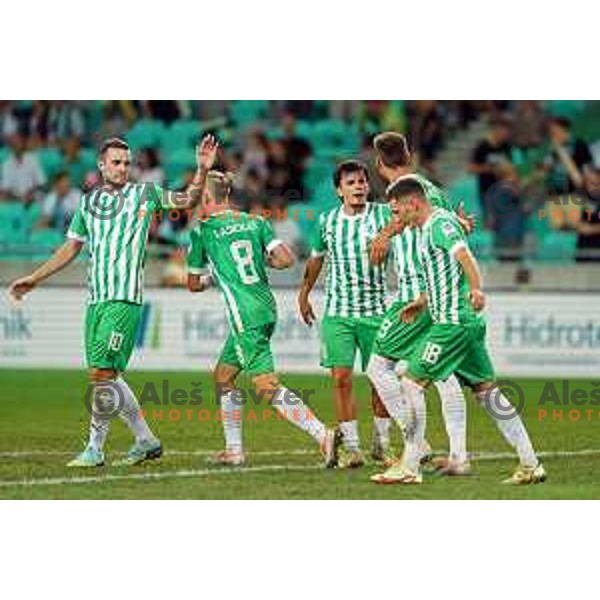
(219, 185)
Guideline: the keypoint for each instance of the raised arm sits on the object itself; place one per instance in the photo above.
(57, 262)
(206, 154)
(312, 271)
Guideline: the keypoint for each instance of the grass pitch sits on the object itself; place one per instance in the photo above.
(43, 422)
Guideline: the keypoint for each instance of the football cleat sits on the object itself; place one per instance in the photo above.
(351, 460)
(527, 475)
(88, 458)
(398, 474)
(141, 452)
(330, 448)
(228, 458)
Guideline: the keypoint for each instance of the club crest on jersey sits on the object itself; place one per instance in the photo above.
(448, 229)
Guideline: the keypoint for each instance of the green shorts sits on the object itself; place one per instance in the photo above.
(250, 350)
(111, 329)
(342, 336)
(398, 340)
(458, 349)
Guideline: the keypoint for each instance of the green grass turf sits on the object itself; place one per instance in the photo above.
(42, 413)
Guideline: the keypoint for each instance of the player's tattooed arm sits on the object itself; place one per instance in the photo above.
(471, 268)
(280, 257)
(312, 271)
(380, 245)
(58, 261)
(199, 283)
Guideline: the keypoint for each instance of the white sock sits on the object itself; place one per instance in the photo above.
(414, 437)
(103, 407)
(381, 374)
(131, 413)
(349, 431)
(455, 416)
(381, 427)
(510, 424)
(296, 412)
(232, 422)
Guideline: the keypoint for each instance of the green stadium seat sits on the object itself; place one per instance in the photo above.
(332, 137)
(14, 223)
(466, 190)
(483, 244)
(180, 135)
(146, 133)
(51, 160)
(246, 112)
(176, 163)
(556, 246)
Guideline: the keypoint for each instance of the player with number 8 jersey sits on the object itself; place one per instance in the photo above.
(236, 247)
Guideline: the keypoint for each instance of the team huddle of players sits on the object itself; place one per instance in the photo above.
(432, 333)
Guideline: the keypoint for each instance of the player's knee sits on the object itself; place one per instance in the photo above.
(266, 385)
(377, 365)
(342, 378)
(224, 378)
(95, 375)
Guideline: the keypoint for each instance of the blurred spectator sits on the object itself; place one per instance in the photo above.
(297, 153)
(507, 212)
(21, 175)
(166, 111)
(277, 180)
(252, 192)
(426, 130)
(60, 204)
(528, 124)
(9, 125)
(567, 159)
(489, 153)
(148, 169)
(65, 120)
(254, 157)
(588, 229)
(74, 163)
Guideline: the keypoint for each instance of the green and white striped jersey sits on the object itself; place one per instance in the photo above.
(235, 244)
(355, 287)
(405, 245)
(115, 229)
(446, 284)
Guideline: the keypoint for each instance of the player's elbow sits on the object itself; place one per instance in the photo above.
(193, 283)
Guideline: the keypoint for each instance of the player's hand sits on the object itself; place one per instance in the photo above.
(20, 287)
(306, 310)
(379, 248)
(410, 312)
(477, 298)
(467, 221)
(206, 152)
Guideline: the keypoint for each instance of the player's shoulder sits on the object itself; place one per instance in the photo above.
(443, 222)
(329, 214)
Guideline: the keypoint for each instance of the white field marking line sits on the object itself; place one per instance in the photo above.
(157, 475)
(301, 452)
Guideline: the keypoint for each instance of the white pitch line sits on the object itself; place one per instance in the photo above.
(301, 452)
(157, 475)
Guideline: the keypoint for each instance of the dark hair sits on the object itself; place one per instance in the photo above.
(501, 121)
(392, 149)
(347, 167)
(114, 142)
(405, 187)
(60, 175)
(561, 122)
